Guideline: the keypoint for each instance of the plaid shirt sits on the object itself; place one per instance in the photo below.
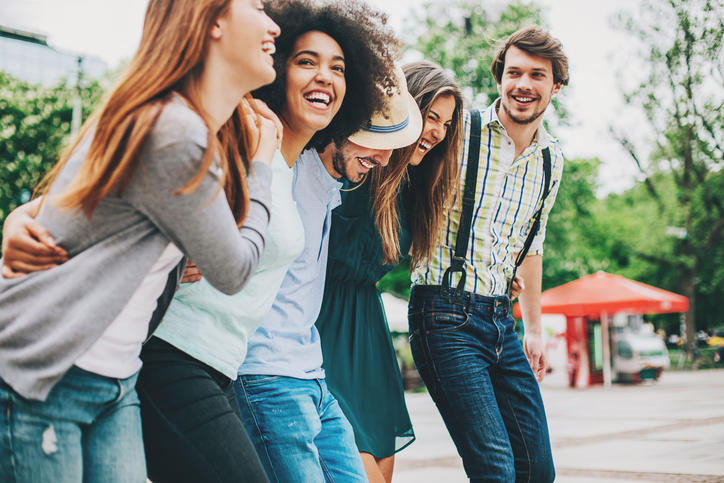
(508, 194)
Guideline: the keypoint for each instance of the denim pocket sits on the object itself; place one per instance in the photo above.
(258, 380)
(439, 318)
(446, 320)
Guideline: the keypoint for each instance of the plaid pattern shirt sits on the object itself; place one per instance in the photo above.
(508, 194)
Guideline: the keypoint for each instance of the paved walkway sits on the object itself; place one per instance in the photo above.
(669, 431)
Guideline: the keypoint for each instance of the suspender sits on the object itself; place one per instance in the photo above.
(536, 223)
(466, 217)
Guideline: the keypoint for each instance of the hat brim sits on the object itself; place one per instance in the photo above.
(395, 140)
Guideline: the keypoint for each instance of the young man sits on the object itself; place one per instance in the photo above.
(464, 342)
(297, 426)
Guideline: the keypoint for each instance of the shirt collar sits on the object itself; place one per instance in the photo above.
(322, 175)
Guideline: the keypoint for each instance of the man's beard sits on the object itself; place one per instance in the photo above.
(338, 162)
(519, 120)
(341, 165)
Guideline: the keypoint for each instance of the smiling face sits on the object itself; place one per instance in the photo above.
(526, 86)
(354, 161)
(434, 130)
(244, 37)
(315, 82)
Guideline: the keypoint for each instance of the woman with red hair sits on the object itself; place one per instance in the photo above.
(175, 162)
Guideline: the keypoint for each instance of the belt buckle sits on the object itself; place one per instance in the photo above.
(454, 295)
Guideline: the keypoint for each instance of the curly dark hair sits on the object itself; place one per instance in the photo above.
(369, 46)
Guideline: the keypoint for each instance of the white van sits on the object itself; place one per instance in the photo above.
(639, 356)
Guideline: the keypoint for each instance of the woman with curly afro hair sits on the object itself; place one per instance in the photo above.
(368, 45)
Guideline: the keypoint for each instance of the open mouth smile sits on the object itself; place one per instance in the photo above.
(366, 163)
(318, 99)
(268, 47)
(525, 100)
(424, 145)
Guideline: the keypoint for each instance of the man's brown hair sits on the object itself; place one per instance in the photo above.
(535, 41)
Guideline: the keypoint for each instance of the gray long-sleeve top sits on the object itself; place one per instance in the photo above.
(48, 319)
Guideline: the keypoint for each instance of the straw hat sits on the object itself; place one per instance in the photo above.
(397, 126)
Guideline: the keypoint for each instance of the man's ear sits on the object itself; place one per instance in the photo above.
(500, 89)
(556, 88)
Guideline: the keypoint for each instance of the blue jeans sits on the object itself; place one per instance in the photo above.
(88, 429)
(298, 429)
(474, 366)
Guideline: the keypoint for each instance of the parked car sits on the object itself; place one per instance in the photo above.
(639, 356)
(717, 338)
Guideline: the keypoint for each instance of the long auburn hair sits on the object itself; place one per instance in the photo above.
(170, 58)
(430, 187)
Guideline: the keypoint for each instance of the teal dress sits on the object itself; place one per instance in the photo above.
(359, 359)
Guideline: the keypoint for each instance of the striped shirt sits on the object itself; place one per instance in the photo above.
(508, 194)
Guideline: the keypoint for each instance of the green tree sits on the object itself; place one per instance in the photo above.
(397, 281)
(682, 98)
(34, 127)
(462, 35)
(573, 246)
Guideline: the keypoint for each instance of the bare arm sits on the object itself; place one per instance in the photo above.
(531, 270)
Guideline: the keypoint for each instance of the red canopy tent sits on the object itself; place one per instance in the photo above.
(599, 296)
(603, 292)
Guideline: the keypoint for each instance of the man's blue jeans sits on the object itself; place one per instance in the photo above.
(88, 429)
(476, 371)
(298, 429)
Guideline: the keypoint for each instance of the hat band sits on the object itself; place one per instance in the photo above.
(387, 129)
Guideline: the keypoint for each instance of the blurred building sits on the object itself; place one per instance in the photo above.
(28, 56)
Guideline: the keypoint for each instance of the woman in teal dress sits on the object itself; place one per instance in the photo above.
(399, 210)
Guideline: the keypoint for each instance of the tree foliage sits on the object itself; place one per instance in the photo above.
(462, 37)
(35, 122)
(681, 95)
(574, 246)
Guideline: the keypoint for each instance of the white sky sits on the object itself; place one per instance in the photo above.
(111, 29)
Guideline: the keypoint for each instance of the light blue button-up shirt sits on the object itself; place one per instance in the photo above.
(287, 342)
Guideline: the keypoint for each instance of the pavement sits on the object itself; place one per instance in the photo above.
(666, 431)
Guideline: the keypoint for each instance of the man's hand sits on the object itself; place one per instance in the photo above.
(516, 287)
(533, 347)
(27, 246)
(531, 270)
(191, 274)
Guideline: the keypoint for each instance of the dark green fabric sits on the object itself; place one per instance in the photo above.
(359, 359)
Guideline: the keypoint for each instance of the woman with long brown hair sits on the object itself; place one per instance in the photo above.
(408, 198)
(159, 171)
